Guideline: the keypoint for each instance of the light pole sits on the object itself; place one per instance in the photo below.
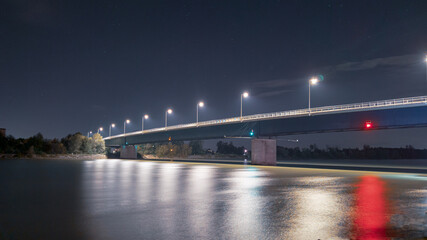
(111, 126)
(313, 81)
(100, 129)
(89, 133)
(124, 126)
(426, 66)
(243, 95)
(200, 104)
(142, 124)
(169, 111)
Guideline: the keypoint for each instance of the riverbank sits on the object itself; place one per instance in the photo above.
(55, 156)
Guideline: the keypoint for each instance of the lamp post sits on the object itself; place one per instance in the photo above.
(243, 95)
(142, 124)
(426, 66)
(169, 111)
(89, 133)
(100, 129)
(200, 104)
(312, 81)
(111, 126)
(124, 126)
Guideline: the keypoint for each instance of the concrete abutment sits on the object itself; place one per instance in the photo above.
(264, 152)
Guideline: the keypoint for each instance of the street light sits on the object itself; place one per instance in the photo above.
(111, 126)
(100, 129)
(142, 125)
(426, 66)
(89, 133)
(243, 95)
(169, 111)
(313, 81)
(124, 126)
(200, 104)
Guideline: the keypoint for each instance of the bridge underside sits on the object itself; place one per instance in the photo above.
(336, 122)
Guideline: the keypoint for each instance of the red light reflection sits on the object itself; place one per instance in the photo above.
(370, 220)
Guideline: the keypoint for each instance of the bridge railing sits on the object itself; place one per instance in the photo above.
(339, 108)
(293, 113)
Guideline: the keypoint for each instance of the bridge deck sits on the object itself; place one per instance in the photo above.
(365, 106)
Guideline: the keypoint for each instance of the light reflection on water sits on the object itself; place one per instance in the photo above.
(371, 209)
(320, 210)
(246, 202)
(180, 201)
(200, 190)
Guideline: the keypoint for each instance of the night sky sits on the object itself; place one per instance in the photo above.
(69, 66)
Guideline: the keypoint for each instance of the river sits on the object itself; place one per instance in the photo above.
(125, 199)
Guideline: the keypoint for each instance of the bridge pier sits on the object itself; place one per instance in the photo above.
(128, 152)
(264, 152)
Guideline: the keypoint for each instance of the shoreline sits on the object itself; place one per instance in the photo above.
(79, 157)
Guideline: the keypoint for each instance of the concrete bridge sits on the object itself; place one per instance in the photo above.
(263, 128)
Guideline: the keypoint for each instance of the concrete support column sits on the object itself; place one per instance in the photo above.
(128, 152)
(264, 152)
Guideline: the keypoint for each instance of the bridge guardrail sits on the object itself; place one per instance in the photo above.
(293, 113)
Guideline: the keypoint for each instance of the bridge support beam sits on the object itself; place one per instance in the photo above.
(264, 152)
(128, 152)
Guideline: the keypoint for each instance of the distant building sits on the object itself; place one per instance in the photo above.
(3, 132)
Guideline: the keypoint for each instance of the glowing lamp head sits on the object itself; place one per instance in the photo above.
(245, 94)
(201, 104)
(146, 116)
(100, 129)
(169, 111)
(314, 81)
(127, 121)
(368, 124)
(113, 125)
(90, 132)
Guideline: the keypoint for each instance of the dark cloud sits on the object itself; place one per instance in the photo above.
(273, 93)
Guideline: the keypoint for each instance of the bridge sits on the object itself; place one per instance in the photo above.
(263, 128)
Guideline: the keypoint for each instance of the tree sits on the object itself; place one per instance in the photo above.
(98, 144)
(73, 143)
(229, 148)
(196, 147)
(87, 146)
(173, 150)
(57, 147)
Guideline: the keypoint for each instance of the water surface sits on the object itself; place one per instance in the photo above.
(122, 199)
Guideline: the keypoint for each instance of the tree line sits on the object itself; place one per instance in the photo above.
(182, 149)
(80, 144)
(367, 152)
(37, 144)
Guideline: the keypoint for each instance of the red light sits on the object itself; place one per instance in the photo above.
(368, 124)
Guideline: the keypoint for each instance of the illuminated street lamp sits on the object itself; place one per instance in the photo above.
(313, 81)
(124, 125)
(243, 95)
(200, 104)
(111, 126)
(169, 111)
(89, 133)
(100, 129)
(143, 118)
